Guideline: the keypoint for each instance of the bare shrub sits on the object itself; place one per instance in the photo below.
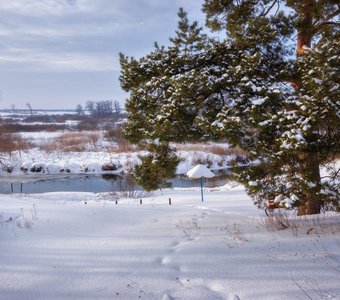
(203, 153)
(123, 145)
(21, 144)
(94, 138)
(10, 142)
(7, 143)
(49, 147)
(24, 223)
(202, 159)
(322, 224)
(189, 226)
(235, 236)
(280, 220)
(72, 138)
(218, 150)
(88, 123)
(128, 187)
(20, 220)
(316, 224)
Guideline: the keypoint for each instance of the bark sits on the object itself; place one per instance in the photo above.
(311, 202)
(305, 27)
(310, 171)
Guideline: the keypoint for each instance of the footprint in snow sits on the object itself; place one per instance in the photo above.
(167, 297)
(175, 244)
(166, 260)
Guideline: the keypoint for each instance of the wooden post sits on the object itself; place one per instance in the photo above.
(140, 201)
(202, 188)
(116, 202)
(169, 201)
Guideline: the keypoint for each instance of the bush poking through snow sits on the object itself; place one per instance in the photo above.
(21, 220)
(328, 223)
(281, 220)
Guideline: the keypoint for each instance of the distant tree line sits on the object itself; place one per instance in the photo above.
(100, 108)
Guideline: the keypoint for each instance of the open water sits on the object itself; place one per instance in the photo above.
(91, 183)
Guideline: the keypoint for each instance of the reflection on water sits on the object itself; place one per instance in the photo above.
(111, 177)
(95, 183)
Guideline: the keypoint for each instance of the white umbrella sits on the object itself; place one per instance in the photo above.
(200, 171)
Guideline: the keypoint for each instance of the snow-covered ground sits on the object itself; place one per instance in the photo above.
(84, 246)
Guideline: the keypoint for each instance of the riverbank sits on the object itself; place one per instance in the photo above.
(36, 161)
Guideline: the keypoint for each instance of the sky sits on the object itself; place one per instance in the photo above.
(56, 54)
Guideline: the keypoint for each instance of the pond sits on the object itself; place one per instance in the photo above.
(93, 183)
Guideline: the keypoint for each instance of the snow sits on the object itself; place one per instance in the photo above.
(68, 245)
(90, 162)
(258, 101)
(84, 246)
(76, 163)
(200, 171)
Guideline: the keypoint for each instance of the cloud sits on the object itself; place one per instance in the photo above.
(36, 8)
(72, 62)
(56, 39)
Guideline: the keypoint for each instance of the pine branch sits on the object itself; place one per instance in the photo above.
(265, 13)
(332, 15)
(320, 26)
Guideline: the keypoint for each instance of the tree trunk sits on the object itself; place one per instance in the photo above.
(310, 171)
(311, 202)
(305, 27)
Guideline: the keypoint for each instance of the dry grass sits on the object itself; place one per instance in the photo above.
(123, 145)
(79, 141)
(11, 142)
(210, 148)
(72, 142)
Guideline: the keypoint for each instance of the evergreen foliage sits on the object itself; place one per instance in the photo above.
(271, 88)
(156, 167)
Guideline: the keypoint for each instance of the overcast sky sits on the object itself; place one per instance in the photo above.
(60, 53)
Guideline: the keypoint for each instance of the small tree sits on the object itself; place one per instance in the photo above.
(100, 108)
(79, 110)
(90, 106)
(30, 108)
(116, 106)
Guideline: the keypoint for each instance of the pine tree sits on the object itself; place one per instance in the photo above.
(279, 104)
(303, 119)
(162, 101)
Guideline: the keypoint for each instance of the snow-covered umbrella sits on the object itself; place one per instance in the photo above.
(200, 171)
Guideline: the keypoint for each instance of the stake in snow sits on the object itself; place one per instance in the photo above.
(200, 171)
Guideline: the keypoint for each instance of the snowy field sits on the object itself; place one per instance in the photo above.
(84, 246)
